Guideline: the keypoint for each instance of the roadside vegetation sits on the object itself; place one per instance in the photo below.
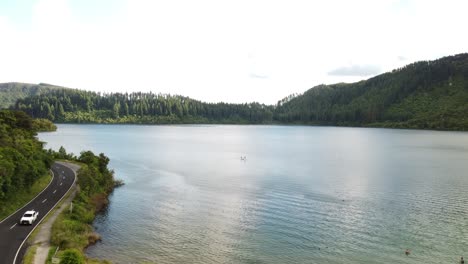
(72, 232)
(24, 172)
(24, 164)
(22, 197)
(51, 254)
(29, 256)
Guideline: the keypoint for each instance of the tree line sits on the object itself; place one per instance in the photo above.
(11, 92)
(78, 106)
(426, 94)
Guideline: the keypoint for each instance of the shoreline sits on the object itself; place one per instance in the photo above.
(248, 124)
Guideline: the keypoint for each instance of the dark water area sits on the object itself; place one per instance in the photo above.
(302, 195)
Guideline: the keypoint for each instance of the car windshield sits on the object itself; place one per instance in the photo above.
(27, 215)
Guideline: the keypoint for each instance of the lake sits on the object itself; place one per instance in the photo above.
(302, 194)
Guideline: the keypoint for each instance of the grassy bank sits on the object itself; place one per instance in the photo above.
(72, 232)
(21, 197)
(29, 256)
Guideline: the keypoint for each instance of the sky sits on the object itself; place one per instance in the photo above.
(231, 51)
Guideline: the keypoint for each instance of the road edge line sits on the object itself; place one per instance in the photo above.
(53, 175)
(26, 238)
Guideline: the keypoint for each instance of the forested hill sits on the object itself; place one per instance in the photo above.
(78, 106)
(427, 94)
(11, 92)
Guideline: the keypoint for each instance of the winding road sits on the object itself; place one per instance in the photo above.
(13, 235)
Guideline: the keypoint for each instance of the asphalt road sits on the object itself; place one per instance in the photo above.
(12, 234)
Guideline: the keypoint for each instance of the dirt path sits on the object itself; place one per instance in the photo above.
(42, 238)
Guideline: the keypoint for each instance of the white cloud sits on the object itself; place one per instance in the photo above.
(217, 50)
(356, 70)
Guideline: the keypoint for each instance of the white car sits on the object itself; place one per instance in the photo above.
(29, 217)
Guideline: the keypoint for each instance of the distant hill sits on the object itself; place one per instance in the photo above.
(426, 95)
(11, 92)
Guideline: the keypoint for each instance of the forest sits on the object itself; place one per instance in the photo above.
(78, 106)
(22, 157)
(11, 92)
(425, 95)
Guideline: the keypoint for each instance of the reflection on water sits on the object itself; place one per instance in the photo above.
(304, 194)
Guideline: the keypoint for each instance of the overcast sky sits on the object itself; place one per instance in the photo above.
(232, 51)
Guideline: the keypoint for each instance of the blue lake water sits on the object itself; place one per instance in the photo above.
(303, 194)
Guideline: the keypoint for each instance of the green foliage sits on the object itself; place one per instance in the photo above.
(43, 125)
(11, 92)
(76, 106)
(72, 256)
(61, 154)
(96, 177)
(427, 94)
(23, 164)
(29, 255)
(70, 233)
(72, 229)
(11, 203)
(22, 158)
(51, 254)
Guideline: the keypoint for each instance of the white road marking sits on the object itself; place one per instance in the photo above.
(13, 226)
(44, 200)
(61, 183)
(55, 191)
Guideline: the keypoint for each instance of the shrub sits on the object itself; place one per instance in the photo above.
(72, 256)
